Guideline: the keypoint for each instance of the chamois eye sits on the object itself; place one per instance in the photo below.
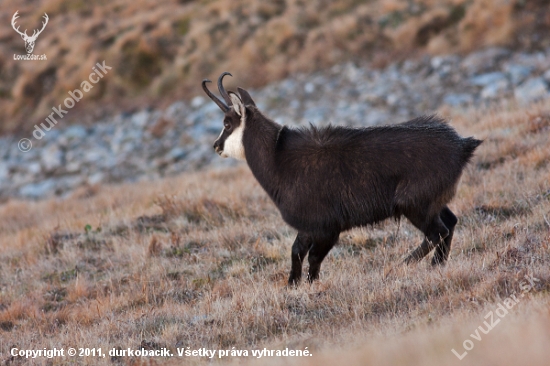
(227, 126)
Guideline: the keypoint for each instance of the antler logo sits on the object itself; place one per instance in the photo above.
(29, 41)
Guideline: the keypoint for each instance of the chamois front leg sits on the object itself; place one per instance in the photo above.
(301, 246)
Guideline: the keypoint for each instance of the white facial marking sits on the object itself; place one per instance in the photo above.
(233, 146)
(220, 135)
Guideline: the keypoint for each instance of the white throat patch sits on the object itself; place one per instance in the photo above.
(233, 146)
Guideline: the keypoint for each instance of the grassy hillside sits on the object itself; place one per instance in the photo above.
(161, 50)
(202, 260)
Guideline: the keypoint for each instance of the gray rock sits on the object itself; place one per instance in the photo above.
(4, 174)
(95, 178)
(517, 73)
(444, 65)
(176, 111)
(73, 167)
(488, 78)
(51, 158)
(531, 90)
(43, 189)
(75, 132)
(197, 132)
(68, 183)
(309, 88)
(211, 108)
(33, 168)
(484, 60)
(93, 156)
(140, 119)
(197, 102)
(495, 89)
(392, 99)
(458, 99)
(176, 154)
(316, 115)
(436, 62)
(376, 117)
(19, 179)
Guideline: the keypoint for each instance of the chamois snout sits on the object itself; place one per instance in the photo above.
(218, 148)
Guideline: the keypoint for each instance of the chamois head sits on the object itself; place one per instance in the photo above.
(236, 109)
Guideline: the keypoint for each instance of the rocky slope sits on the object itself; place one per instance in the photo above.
(159, 50)
(151, 143)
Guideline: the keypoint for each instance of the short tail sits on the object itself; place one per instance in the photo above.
(468, 148)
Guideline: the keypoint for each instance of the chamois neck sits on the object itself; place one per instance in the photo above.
(260, 144)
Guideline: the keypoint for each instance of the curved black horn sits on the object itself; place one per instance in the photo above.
(216, 100)
(222, 89)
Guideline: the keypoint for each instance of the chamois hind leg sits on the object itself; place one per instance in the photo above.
(321, 246)
(435, 231)
(301, 246)
(443, 249)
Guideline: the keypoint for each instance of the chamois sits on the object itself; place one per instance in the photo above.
(331, 179)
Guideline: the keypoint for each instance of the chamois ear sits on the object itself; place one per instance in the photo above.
(247, 99)
(237, 104)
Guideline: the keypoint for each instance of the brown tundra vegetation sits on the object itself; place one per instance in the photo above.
(201, 261)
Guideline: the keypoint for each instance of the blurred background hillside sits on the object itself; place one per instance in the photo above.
(161, 50)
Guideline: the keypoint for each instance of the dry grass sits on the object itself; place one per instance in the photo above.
(201, 261)
(161, 50)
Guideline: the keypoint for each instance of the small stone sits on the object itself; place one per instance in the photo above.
(51, 158)
(436, 62)
(93, 156)
(377, 117)
(72, 167)
(95, 178)
(531, 90)
(175, 111)
(34, 168)
(294, 104)
(197, 101)
(38, 190)
(484, 60)
(74, 132)
(140, 119)
(517, 73)
(488, 78)
(4, 173)
(315, 115)
(392, 99)
(176, 154)
(495, 89)
(68, 183)
(458, 99)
